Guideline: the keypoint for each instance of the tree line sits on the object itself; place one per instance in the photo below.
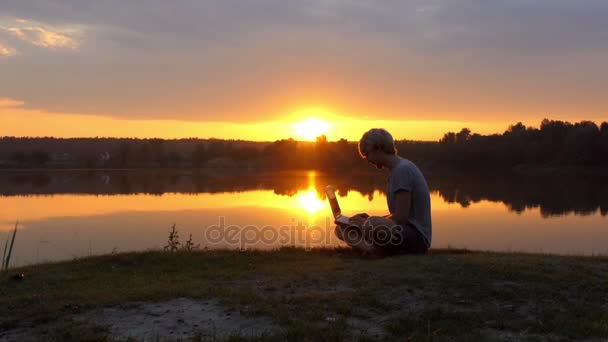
(553, 143)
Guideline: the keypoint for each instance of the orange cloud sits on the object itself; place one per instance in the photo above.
(10, 103)
(44, 35)
(6, 51)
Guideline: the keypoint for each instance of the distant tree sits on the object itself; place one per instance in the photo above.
(603, 143)
(517, 130)
(157, 152)
(463, 136)
(39, 157)
(18, 157)
(345, 154)
(216, 148)
(581, 142)
(448, 138)
(553, 134)
(283, 153)
(173, 159)
(322, 153)
(199, 155)
(554, 142)
(604, 128)
(122, 155)
(244, 155)
(554, 131)
(144, 154)
(321, 139)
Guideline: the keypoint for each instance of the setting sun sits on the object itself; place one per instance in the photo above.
(311, 128)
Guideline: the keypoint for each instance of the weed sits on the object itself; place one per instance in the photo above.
(173, 241)
(6, 256)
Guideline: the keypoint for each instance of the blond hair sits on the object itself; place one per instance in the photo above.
(376, 139)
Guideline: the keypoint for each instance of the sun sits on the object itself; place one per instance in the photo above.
(311, 128)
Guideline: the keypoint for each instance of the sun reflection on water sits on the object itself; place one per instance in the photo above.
(308, 199)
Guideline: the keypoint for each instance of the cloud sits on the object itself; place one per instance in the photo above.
(6, 102)
(43, 35)
(250, 60)
(7, 51)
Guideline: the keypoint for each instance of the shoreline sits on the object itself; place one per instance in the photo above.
(444, 249)
(431, 169)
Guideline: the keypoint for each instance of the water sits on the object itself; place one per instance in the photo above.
(69, 214)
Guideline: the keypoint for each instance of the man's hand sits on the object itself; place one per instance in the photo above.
(359, 219)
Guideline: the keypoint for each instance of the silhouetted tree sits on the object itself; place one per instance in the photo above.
(463, 136)
(173, 159)
(122, 155)
(283, 153)
(18, 157)
(448, 138)
(199, 155)
(39, 157)
(553, 143)
(603, 143)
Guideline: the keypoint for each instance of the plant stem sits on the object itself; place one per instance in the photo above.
(10, 250)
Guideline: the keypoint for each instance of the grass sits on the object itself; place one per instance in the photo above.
(332, 294)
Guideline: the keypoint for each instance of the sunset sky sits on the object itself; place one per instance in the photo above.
(272, 69)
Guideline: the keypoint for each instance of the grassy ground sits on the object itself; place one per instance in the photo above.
(332, 294)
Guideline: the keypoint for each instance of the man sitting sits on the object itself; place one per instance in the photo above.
(408, 228)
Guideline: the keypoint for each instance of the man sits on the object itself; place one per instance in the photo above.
(407, 229)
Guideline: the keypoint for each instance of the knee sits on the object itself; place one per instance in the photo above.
(381, 230)
(378, 221)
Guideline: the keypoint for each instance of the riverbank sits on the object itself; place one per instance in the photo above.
(317, 295)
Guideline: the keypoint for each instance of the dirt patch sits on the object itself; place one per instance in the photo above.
(177, 318)
(368, 323)
(170, 320)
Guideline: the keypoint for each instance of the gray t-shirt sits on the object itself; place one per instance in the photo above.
(406, 176)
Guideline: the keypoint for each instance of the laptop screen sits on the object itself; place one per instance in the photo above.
(333, 201)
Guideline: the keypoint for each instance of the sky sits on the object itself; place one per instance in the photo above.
(255, 69)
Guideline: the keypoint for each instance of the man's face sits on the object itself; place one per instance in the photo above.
(372, 157)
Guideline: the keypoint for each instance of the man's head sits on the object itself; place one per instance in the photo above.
(377, 147)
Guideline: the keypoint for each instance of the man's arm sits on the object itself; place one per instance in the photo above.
(403, 202)
(359, 219)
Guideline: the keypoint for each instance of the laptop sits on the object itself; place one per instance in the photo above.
(335, 207)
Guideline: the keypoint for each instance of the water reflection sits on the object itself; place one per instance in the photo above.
(70, 214)
(309, 199)
(553, 195)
